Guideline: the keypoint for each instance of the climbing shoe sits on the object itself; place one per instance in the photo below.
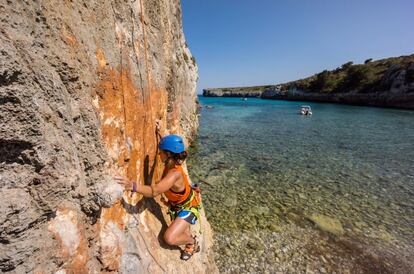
(190, 249)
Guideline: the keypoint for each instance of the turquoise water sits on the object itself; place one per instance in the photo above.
(267, 172)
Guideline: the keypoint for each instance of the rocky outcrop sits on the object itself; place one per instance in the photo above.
(383, 83)
(81, 85)
(234, 92)
(379, 99)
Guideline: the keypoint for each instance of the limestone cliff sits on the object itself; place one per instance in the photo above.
(81, 85)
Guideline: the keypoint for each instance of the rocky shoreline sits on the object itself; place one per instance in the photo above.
(379, 99)
(233, 92)
(382, 83)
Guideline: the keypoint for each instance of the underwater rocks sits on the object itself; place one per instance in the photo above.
(327, 224)
(291, 250)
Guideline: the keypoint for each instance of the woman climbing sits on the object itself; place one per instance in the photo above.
(184, 200)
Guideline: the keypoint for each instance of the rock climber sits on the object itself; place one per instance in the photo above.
(184, 199)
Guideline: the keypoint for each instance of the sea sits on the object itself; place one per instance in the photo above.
(331, 192)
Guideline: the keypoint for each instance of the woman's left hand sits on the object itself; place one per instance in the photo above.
(127, 184)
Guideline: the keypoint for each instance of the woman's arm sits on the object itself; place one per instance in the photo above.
(153, 190)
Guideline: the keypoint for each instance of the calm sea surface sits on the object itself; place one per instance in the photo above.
(331, 192)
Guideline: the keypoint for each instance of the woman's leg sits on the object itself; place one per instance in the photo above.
(178, 233)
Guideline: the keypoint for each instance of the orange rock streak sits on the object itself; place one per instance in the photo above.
(127, 116)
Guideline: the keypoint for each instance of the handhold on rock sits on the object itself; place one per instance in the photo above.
(110, 192)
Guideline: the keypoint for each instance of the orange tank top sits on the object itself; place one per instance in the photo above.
(178, 198)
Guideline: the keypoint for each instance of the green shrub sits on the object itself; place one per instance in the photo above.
(324, 82)
(359, 78)
(409, 77)
(347, 65)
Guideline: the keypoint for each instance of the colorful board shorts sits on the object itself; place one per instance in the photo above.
(187, 215)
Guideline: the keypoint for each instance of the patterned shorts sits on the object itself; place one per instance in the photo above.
(187, 215)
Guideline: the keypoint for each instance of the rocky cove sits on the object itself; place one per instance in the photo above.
(81, 85)
(382, 83)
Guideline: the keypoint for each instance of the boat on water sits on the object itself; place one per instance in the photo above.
(305, 110)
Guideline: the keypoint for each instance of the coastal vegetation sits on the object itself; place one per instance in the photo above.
(383, 83)
(372, 76)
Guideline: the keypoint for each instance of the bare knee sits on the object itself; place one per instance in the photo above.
(169, 238)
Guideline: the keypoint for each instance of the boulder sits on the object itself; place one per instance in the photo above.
(327, 224)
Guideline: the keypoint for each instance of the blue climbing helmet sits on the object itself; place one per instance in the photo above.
(173, 143)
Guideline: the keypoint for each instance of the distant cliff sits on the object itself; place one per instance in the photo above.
(235, 92)
(386, 83)
(378, 99)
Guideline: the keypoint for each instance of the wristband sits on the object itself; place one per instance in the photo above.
(134, 187)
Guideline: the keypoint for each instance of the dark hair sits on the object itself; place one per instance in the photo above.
(179, 157)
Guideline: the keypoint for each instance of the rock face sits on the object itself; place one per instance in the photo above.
(81, 85)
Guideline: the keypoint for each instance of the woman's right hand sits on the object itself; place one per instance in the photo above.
(127, 184)
(158, 125)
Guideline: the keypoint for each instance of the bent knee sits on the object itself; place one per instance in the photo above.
(169, 238)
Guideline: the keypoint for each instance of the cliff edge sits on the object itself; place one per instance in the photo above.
(81, 85)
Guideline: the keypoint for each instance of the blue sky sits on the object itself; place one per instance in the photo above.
(255, 42)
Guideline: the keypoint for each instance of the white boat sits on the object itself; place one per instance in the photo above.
(305, 110)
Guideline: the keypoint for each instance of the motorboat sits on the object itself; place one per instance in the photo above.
(305, 110)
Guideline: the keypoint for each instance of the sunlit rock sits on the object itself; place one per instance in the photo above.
(327, 224)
